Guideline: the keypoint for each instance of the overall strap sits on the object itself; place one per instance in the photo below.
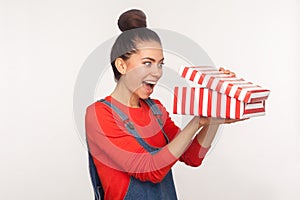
(130, 127)
(157, 113)
(97, 186)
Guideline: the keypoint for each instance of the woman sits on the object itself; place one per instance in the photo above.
(132, 140)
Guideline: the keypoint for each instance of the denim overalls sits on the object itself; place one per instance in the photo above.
(165, 190)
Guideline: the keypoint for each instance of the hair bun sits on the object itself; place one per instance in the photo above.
(132, 19)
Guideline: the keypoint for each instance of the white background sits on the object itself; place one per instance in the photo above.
(44, 43)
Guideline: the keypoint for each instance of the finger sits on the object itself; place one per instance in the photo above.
(229, 121)
(227, 71)
(213, 121)
(232, 74)
(217, 121)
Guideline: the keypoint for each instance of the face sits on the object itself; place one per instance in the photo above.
(144, 69)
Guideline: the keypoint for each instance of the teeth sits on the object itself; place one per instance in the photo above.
(150, 82)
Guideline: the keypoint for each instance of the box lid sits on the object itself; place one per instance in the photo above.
(210, 77)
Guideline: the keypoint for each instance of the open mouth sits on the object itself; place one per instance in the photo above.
(149, 85)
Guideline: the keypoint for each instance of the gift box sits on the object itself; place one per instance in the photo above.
(218, 95)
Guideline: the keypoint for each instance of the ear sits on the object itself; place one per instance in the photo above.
(121, 65)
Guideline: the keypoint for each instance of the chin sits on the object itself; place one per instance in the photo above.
(144, 96)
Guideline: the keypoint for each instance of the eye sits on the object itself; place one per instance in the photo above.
(161, 65)
(147, 63)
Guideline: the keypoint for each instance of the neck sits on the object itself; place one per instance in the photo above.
(123, 95)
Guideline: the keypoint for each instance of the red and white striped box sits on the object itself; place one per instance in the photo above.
(209, 103)
(222, 96)
(212, 78)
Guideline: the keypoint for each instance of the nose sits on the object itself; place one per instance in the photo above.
(156, 71)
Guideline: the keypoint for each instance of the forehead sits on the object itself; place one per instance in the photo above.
(147, 44)
(149, 47)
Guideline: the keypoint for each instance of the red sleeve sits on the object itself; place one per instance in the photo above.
(111, 144)
(195, 153)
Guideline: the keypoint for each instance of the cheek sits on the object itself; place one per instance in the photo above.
(161, 73)
(135, 77)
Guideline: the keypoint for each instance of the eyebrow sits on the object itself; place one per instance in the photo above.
(152, 59)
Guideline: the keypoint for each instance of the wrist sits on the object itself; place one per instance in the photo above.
(197, 122)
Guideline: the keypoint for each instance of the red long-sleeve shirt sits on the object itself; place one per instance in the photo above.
(118, 155)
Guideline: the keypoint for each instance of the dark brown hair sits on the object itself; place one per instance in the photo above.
(134, 29)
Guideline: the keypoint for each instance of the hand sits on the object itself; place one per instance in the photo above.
(204, 121)
(226, 71)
